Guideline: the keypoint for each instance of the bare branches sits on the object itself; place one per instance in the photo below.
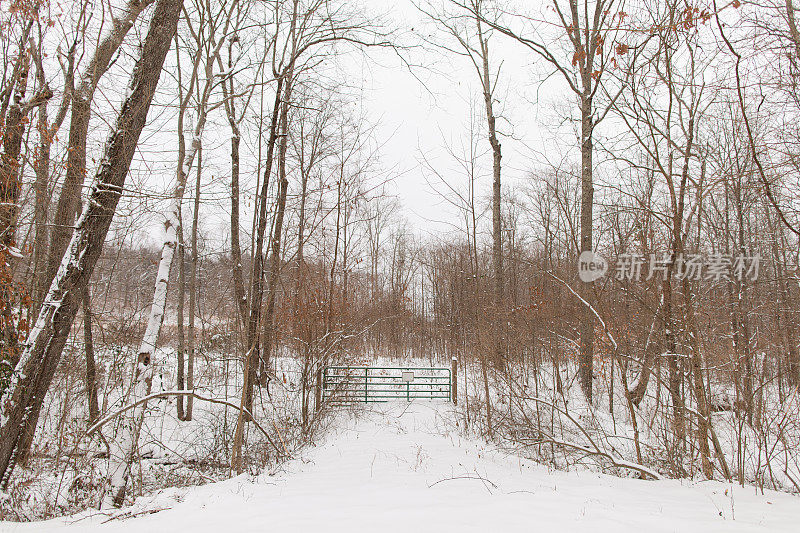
(163, 394)
(743, 108)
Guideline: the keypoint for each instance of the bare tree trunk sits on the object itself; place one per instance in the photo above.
(675, 378)
(253, 354)
(637, 393)
(182, 176)
(163, 26)
(236, 248)
(91, 368)
(172, 227)
(47, 338)
(47, 133)
(331, 290)
(277, 231)
(497, 231)
(785, 300)
(704, 414)
(181, 370)
(14, 130)
(742, 322)
(42, 169)
(299, 296)
(586, 357)
(479, 57)
(69, 199)
(193, 289)
(10, 189)
(477, 295)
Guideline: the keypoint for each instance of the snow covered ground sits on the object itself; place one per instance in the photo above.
(407, 467)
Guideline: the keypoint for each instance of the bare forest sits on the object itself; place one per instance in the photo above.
(214, 233)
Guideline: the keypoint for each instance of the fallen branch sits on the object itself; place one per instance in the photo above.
(475, 477)
(594, 449)
(124, 516)
(107, 418)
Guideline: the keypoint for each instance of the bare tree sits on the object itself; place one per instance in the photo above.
(303, 33)
(592, 34)
(473, 36)
(677, 64)
(68, 204)
(230, 93)
(465, 202)
(82, 96)
(125, 445)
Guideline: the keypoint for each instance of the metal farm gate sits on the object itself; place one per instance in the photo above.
(351, 384)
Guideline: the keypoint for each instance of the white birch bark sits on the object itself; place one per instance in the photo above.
(123, 448)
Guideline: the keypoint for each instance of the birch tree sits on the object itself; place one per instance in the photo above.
(123, 448)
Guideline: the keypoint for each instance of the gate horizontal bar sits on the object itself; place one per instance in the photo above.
(349, 384)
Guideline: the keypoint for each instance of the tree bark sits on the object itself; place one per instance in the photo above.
(14, 129)
(91, 367)
(497, 231)
(10, 188)
(193, 289)
(704, 414)
(236, 247)
(277, 232)
(253, 355)
(586, 357)
(180, 374)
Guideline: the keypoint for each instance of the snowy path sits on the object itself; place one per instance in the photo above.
(397, 469)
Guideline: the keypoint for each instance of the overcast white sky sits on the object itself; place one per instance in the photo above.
(420, 115)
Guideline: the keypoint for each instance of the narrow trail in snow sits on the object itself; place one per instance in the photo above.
(406, 468)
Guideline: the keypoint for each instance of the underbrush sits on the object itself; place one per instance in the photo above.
(540, 412)
(65, 472)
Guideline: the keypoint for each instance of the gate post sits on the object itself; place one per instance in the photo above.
(318, 389)
(454, 381)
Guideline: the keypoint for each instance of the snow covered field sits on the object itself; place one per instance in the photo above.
(407, 467)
